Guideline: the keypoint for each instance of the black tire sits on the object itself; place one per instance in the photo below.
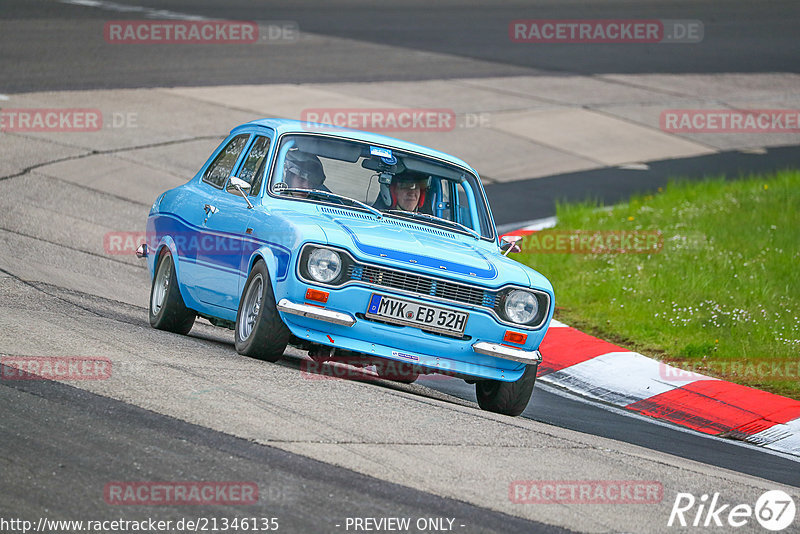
(507, 398)
(260, 332)
(396, 371)
(167, 309)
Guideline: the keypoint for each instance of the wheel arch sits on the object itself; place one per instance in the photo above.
(167, 243)
(266, 255)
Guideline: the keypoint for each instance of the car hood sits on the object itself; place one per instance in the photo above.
(409, 245)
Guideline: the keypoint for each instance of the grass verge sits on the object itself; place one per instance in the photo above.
(722, 295)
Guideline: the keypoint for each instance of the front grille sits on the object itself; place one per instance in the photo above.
(422, 285)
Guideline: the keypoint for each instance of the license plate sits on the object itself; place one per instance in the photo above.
(424, 316)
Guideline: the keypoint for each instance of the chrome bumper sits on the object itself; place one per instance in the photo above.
(344, 319)
(507, 353)
(313, 312)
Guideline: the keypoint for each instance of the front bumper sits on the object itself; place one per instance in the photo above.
(316, 312)
(479, 349)
(507, 353)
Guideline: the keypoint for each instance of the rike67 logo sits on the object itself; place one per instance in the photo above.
(774, 510)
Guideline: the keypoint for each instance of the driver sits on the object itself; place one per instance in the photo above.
(406, 192)
(302, 170)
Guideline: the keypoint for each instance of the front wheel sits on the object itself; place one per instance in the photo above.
(167, 309)
(260, 332)
(507, 398)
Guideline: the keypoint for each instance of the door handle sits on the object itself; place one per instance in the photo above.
(209, 209)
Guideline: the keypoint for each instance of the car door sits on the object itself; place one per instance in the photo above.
(205, 247)
(228, 243)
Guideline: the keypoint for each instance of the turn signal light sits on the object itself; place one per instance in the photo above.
(515, 337)
(317, 295)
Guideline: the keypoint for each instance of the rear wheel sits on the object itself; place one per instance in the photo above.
(167, 309)
(507, 398)
(260, 332)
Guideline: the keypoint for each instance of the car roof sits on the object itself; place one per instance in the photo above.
(282, 126)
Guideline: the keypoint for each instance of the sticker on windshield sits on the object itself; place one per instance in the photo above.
(380, 152)
(279, 186)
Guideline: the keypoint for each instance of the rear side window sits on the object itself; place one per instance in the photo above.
(219, 170)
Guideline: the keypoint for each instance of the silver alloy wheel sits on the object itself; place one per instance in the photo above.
(252, 306)
(162, 284)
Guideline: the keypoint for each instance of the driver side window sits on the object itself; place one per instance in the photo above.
(219, 170)
(253, 168)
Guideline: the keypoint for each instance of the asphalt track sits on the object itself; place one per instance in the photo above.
(60, 444)
(98, 440)
(58, 46)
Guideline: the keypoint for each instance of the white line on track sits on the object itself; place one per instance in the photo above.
(148, 12)
(627, 413)
(4, 97)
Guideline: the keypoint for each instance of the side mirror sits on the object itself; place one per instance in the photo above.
(510, 244)
(237, 186)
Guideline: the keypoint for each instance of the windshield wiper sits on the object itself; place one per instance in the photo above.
(418, 215)
(328, 194)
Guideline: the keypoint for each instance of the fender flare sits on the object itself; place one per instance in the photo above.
(266, 255)
(168, 243)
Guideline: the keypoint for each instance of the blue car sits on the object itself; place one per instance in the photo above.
(353, 246)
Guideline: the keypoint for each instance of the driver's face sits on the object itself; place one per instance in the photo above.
(408, 194)
(299, 182)
(408, 199)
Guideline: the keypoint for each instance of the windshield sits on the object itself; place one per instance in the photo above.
(397, 183)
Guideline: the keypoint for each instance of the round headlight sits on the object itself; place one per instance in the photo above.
(521, 307)
(324, 265)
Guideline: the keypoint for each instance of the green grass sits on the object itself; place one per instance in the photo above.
(723, 292)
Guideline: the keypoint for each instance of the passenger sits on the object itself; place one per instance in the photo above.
(406, 192)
